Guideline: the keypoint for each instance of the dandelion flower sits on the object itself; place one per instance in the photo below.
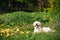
(21, 32)
(27, 32)
(1, 34)
(7, 34)
(16, 29)
(12, 34)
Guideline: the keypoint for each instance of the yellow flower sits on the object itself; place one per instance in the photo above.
(7, 34)
(21, 32)
(7, 30)
(27, 32)
(12, 34)
(2, 31)
(17, 29)
(1, 34)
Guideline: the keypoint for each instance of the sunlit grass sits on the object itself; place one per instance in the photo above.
(18, 26)
(17, 34)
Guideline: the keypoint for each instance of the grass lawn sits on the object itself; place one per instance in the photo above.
(18, 26)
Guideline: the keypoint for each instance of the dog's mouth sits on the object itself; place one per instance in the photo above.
(37, 25)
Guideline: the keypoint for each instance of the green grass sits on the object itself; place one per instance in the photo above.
(24, 18)
(31, 36)
(24, 21)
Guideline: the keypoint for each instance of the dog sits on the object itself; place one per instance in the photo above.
(39, 29)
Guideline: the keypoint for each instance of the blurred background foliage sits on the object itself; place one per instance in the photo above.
(28, 5)
(45, 11)
(25, 5)
(17, 17)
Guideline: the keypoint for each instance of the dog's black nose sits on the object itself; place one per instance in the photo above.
(37, 25)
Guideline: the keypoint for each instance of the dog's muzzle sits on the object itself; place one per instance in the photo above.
(37, 25)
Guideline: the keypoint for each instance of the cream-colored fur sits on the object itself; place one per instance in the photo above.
(38, 28)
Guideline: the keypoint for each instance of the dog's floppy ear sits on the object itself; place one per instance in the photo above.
(34, 24)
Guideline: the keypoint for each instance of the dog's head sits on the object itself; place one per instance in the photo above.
(36, 24)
